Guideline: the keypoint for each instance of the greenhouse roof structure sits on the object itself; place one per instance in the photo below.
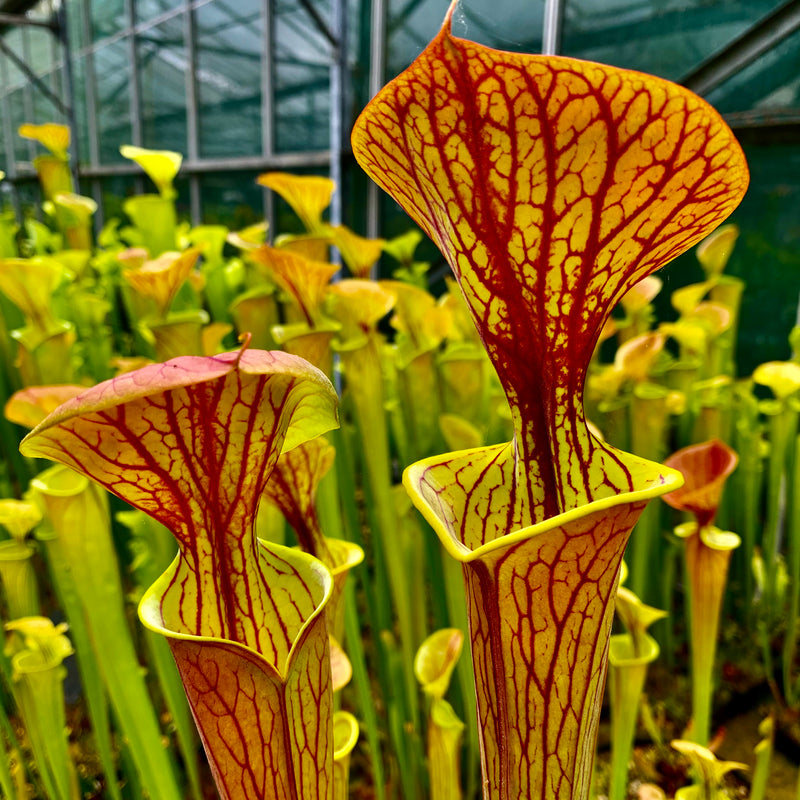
(254, 85)
(265, 82)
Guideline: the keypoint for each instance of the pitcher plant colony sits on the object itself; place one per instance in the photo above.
(253, 444)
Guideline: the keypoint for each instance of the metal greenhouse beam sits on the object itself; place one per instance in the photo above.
(757, 40)
(35, 80)
(338, 88)
(377, 70)
(57, 25)
(20, 19)
(336, 34)
(552, 26)
(331, 34)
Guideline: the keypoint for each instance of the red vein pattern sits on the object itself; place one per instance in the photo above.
(705, 468)
(293, 489)
(267, 735)
(535, 607)
(192, 442)
(304, 279)
(551, 186)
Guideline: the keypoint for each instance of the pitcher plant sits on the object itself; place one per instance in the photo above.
(551, 186)
(192, 442)
(706, 468)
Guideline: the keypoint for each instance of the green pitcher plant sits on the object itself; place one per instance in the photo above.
(74, 217)
(345, 737)
(27, 408)
(156, 283)
(763, 752)
(153, 215)
(77, 540)
(219, 273)
(782, 413)
(358, 305)
(304, 281)
(713, 255)
(421, 324)
(630, 654)
(359, 253)
(551, 186)
(637, 305)
(709, 772)
(293, 489)
(44, 342)
(402, 249)
(52, 169)
(433, 666)
(192, 442)
(17, 574)
(705, 467)
(307, 195)
(37, 649)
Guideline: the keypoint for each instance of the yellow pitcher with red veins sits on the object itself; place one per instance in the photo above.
(193, 442)
(551, 186)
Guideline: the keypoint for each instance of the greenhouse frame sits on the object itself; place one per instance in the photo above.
(235, 91)
(422, 379)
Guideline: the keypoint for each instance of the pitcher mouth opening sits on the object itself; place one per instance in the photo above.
(649, 480)
(60, 481)
(150, 610)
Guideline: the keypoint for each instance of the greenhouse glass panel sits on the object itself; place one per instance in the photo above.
(23, 150)
(504, 26)
(768, 258)
(302, 79)
(42, 58)
(81, 108)
(162, 64)
(113, 71)
(231, 198)
(39, 50)
(5, 112)
(669, 38)
(107, 18)
(13, 40)
(509, 26)
(229, 44)
(44, 110)
(147, 10)
(75, 29)
(359, 26)
(408, 30)
(768, 85)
